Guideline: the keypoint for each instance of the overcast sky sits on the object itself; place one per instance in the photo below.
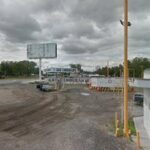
(86, 31)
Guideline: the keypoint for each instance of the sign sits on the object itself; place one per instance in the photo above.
(106, 82)
(38, 51)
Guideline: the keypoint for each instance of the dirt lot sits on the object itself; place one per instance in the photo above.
(66, 120)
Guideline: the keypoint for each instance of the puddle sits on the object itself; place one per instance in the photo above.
(85, 94)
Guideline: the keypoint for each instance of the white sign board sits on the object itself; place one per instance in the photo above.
(106, 82)
(37, 51)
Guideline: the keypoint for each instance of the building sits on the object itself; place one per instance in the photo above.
(145, 84)
(139, 83)
(56, 71)
(147, 101)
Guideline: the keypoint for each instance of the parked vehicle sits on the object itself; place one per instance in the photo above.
(45, 87)
(138, 98)
(2, 76)
(39, 85)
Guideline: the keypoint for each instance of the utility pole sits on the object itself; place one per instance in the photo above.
(126, 129)
(40, 66)
(108, 68)
(142, 72)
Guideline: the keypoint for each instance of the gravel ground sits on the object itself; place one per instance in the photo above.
(72, 119)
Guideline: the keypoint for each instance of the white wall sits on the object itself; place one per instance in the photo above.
(147, 110)
(147, 103)
(147, 74)
(140, 83)
(106, 82)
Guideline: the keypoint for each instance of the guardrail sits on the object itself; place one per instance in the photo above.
(70, 80)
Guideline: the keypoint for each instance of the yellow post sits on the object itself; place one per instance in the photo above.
(126, 68)
(117, 132)
(138, 140)
(116, 118)
(117, 124)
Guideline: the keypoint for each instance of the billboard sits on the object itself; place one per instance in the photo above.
(45, 50)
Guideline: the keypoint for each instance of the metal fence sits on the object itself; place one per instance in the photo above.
(68, 82)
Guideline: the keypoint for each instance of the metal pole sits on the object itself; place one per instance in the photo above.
(142, 72)
(126, 68)
(108, 68)
(40, 65)
(138, 140)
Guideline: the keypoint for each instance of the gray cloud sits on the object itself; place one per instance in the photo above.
(80, 27)
(77, 29)
(102, 12)
(81, 45)
(17, 25)
(19, 30)
(139, 7)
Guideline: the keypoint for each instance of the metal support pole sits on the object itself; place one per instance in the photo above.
(108, 68)
(40, 65)
(126, 68)
(138, 140)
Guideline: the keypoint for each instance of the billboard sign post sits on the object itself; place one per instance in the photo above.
(42, 51)
(40, 66)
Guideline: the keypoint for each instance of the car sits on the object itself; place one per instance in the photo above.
(38, 86)
(2, 76)
(42, 77)
(44, 87)
(138, 98)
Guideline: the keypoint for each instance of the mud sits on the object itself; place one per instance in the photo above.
(64, 120)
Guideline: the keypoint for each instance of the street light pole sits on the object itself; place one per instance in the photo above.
(126, 130)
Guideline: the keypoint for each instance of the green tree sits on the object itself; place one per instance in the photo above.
(136, 68)
(21, 68)
(76, 66)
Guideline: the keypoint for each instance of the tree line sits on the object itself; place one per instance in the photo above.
(27, 68)
(21, 68)
(136, 68)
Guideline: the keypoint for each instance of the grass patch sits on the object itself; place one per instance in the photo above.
(121, 133)
(132, 127)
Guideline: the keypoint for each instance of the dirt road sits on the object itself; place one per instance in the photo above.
(73, 119)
